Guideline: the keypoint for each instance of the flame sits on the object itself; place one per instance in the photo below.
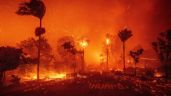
(34, 77)
(56, 75)
(158, 74)
(107, 41)
(118, 69)
(46, 76)
(84, 43)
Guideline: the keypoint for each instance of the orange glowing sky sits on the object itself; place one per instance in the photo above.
(90, 18)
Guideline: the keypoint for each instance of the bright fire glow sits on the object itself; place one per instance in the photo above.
(48, 76)
(84, 43)
(107, 41)
(158, 74)
(55, 75)
(118, 69)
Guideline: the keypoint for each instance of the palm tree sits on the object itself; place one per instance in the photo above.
(35, 8)
(136, 56)
(124, 35)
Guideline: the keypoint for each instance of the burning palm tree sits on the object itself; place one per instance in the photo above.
(35, 8)
(124, 35)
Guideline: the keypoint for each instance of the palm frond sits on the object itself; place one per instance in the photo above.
(125, 34)
(34, 7)
(23, 9)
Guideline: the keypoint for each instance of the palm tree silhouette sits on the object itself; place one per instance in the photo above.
(136, 56)
(37, 9)
(124, 35)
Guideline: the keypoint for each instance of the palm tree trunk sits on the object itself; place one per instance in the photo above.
(124, 56)
(107, 61)
(40, 22)
(83, 62)
(38, 64)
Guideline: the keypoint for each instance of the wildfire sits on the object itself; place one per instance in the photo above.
(56, 75)
(45, 76)
(158, 74)
(118, 69)
(107, 41)
(84, 43)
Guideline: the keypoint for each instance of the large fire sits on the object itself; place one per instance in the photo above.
(46, 76)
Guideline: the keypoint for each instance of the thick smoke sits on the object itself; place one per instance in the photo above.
(90, 18)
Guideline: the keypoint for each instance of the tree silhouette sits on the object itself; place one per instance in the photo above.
(10, 58)
(136, 55)
(162, 47)
(71, 49)
(30, 48)
(35, 8)
(124, 35)
(67, 51)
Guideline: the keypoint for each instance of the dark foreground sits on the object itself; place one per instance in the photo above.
(93, 85)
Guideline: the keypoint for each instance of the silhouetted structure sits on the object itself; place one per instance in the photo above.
(107, 50)
(83, 44)
(124, 35)
(35, 8)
